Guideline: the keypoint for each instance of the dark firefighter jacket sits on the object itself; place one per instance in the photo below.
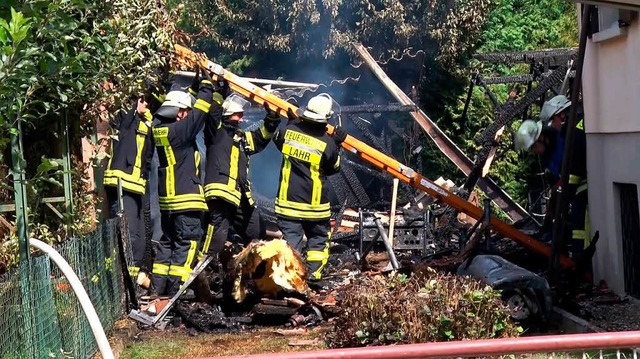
(578, 166)
(309, 155)
(131, 152)
(179, 187)
(228, 151)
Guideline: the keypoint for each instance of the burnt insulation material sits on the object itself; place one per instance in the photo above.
(208, 319)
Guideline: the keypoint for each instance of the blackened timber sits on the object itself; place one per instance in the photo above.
(554, 56)
(377, 108)
(444, 143)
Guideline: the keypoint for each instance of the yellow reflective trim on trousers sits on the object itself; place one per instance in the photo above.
(319, 256)
(249, 136)
(191, 254)
(573, 179)
(161, 269)
(337, 164)
(316, 256)
(284, 183)
(202, 105)
(208, 238)
(316, 193)
(233, 167)
(180, 272)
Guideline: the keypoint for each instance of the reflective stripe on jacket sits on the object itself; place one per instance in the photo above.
(228, 151)
(179, 186)
(131, 152)
(309, 155)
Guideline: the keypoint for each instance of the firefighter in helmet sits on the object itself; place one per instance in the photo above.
(227, 185)
(181, 195)
(548, 141)
(302, 203)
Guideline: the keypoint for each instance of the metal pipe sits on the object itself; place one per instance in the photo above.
(387, 245)
(81, 293)
(467, 348)
(562, 205)
(260, 81)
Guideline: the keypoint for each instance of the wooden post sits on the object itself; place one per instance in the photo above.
(444, 143)
(392, 217)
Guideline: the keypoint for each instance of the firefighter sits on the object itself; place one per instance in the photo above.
(302, 203)
(548, 141)
(181, 196)
(227, 185)
(130, 163)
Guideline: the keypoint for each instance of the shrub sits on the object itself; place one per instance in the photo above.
(426, 307)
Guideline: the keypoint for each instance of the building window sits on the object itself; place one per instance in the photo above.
(630, 230)
(609, 22)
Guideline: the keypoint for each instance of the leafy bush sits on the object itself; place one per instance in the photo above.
(426, 307)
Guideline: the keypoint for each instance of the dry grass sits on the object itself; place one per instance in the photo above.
(179, 344)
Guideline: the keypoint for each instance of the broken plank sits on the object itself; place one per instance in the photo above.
(446, 146)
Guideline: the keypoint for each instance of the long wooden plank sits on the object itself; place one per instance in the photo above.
(444, 143)
(377, 159)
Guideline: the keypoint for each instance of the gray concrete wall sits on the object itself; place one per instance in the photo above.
(611, 158)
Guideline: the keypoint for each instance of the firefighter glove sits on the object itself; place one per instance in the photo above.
(290, 115)
(195, 85)
(206, 76)
(271, 114)
(339, 135)
(222, 87)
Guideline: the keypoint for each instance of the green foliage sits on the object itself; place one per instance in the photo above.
(76, 59)
(513, 25)
(315, 31)
(518, 25)
(427, 307)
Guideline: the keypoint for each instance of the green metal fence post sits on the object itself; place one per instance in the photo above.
(22, 227)
(66, 164)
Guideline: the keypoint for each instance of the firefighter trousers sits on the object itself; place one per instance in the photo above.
(580, 226)
(317, 233)
(132, 205)
(245, 221)
(177, 250)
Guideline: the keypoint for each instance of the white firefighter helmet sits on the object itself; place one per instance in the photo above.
(179, 99)
(527, 135)
(174, 101)
(554, 106)
(318, 109)
(233, 104)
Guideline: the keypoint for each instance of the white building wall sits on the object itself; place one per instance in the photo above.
(611, 94)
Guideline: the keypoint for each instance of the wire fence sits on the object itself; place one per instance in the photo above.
(40, 314)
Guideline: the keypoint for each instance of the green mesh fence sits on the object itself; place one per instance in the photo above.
(40, 314)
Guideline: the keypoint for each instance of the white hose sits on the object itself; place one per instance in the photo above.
(81, 293)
